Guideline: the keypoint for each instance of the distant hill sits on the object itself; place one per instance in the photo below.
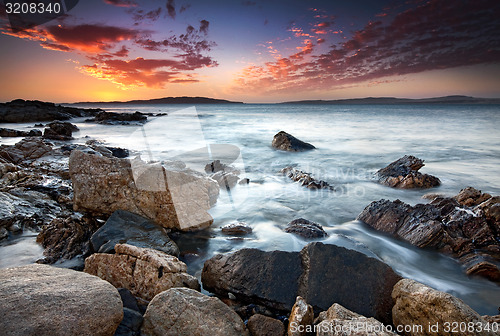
(168, 100)
(396, 101)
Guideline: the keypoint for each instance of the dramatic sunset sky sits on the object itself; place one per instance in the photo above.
(255, 51)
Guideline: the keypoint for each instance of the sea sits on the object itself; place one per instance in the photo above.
(459, 143)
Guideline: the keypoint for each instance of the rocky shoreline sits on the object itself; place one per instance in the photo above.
(116, 216)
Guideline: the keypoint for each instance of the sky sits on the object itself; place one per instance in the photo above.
(255, 51)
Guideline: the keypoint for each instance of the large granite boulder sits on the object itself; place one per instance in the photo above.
(470, 234)
(339, 321)
(21, 111)
(126, 227)
(171, 198)
(66, 238)
(27, 149)
(185, 312)
(42, 300)
(403, 173)
(419, 305)
(287, 142)
(321, 274)
(145, 272)
(261, 325)
(305, 179)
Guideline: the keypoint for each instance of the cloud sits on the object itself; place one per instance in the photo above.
(204, 26)
(152, 73)
(121, 3)
(141, 15)
(171, 8)
(436, 34)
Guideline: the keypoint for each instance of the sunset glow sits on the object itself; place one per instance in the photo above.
(255, 51)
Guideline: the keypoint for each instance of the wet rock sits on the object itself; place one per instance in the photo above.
(244, 181)
(145, 272)
(112, 118)
(337, 318)
(301, 318)
(128, 299)
(471, 197)
(465, 233)
(22, 111)
(239, 228)
(305, 179)
(7, 132)
(26, 149)
(185, 312)
(403, 173)
(171, 198)
(304, 228)
(3, 233)
(107, 151)
(287, 142)
(321, 274)
(217, 166)
(131, 323)
(66, 238)
(417, 304)
(45, 300)
(59, 130)
(126, 227)
(261, 325)
(267, 278)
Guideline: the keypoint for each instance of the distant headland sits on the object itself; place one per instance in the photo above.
(168, 100)
(400, 101)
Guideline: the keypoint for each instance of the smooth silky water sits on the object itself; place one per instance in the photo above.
(460, 145)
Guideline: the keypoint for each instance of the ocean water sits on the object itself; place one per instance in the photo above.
(460, 145)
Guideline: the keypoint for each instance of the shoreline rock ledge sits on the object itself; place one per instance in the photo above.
(403, 173)
(176, 199)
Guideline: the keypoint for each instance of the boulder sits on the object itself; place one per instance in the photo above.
(171, 198)
(305, 179)
(239, 228)
(45, 300)
(403, 173)
(261, 325)
(465, 233)
(185, 312)
(254, 276)
(22, 111)
(59, 130)
(321, 274)
(66, 238)
(217, 166)
(301, 318)
(27, 149)
(145, 272)
(339, 321)
(126, 227)
(7, 132)
(287, 142)
(419, 305)
(226, 181)
(305, 228)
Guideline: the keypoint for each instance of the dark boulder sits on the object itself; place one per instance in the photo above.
(287, 142)
(126, 227)
(59, 131)
(403, 173)
(305, 228)
(321, 274)
(254, 276)
(21, 111)
(261, 325)
(466, 233)
(30, 148)
(305, 179)
(7, 132)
